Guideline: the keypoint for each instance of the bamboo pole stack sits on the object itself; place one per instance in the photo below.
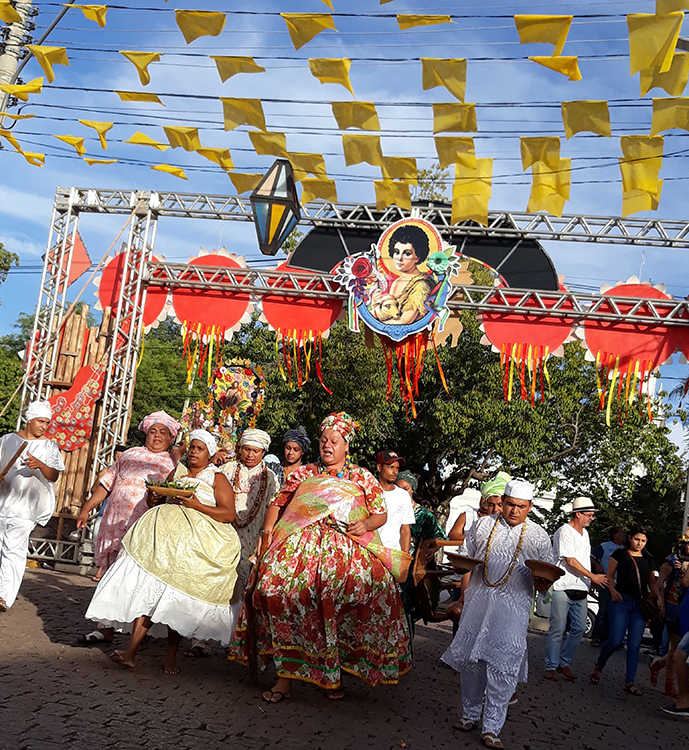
(79, 346)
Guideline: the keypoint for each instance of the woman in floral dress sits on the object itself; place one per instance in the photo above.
(326, 600)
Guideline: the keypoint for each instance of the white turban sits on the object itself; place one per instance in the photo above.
(39, 410)
(256, 438)
(205, 437)
(520, 489)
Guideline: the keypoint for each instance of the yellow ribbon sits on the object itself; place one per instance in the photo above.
(615, 373)
(636, 377)
(512, 361)
(278, 334)
(545, 369)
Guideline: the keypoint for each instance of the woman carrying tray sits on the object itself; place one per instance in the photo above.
(178, 565)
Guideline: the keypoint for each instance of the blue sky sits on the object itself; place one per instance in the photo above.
(514, 97)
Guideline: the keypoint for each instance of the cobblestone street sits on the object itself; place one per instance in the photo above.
(54, 694)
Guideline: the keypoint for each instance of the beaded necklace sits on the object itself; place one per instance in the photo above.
(506, 577)
(240, 521)
(323, 469)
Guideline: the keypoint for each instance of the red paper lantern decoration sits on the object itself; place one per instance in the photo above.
(627, 353)
(300, 324)
(525, 343)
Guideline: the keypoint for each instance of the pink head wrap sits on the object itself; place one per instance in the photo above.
(342, 423)
(160, 417)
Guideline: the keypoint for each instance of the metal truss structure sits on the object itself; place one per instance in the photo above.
(139, 272)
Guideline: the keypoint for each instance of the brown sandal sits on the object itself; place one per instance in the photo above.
(490, 740)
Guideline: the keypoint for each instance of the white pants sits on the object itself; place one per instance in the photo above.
(14, 547)
(485, 687)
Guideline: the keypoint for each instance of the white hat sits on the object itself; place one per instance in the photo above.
(206, 438)
(520, 489)
(39, 410)
(582, 504)
(255, 438)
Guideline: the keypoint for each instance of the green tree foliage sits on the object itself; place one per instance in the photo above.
(7, 260)
(432, 184)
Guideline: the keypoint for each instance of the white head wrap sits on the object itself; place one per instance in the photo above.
(520, 489)
(205, 437)
(39, 410)
(256, 438)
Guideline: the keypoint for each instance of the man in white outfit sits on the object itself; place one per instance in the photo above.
(489, 649)
(27, 494)
(395, 533)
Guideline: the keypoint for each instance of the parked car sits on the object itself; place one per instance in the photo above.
(542, 608)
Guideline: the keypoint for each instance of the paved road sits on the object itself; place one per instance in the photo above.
(55, 695)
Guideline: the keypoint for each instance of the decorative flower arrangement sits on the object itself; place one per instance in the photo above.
(359, 275)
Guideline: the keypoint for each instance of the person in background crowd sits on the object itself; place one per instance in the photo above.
(177, 569)
(601, 557)
(325, 600)
(119, 450)
(27, 494)
(569, 600)
(124, 484)
(680, 656)
(295, 447)
(671, 592)
(395, 533)
(630, 577)
(489, 649)
(425, 526)
(490, 503)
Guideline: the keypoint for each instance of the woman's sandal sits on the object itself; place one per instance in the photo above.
(656, 666)
(465, 725)
(334, 695)
(269, 695)
(594, 678)
(490, 740)
(95, 638)
(632, 689)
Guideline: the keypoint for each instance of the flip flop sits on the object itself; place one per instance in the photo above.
(465, 725)
(594, 678)
(655, 671)
(94, 638)
(196, 652)
(334, 695)
(632, 689)
(490, 740)
(271, 694)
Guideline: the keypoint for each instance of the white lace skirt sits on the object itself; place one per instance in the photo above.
(128, 591)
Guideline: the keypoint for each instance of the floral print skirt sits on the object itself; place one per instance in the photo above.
(324, 604)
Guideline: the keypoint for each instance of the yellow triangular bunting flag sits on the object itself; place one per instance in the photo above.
(101, 128)
(329, 3)
(361, 115)
(22, 90)
(238, 112)
(46, 57)
(141, 61)
(334, 70)
(303, 27)
(304, 163)
(230, 66)
(673, 82)
(92, 162)
(220, 156)
(565, 65)
(169, 169)
(652, 40)
(550, 188)
(634, 201)
(141, 139)
(269, 144)
(456, 150)
(471, 207)
(16, 117)
(544, 30)
(452, 74)
(74, 141)
(545, 150)
(400, 168)
(410, 21)
(244, 182)
(180, 137)
(454, 118)
(95, 13)
(313, 189)
(670, 114)
(586, 117)
(362, 148)
(7, 135)
(663, 7)
(8, 14)
(139, 96)
(36, 160)
(471, 192)
(390, 193)
(196, 23)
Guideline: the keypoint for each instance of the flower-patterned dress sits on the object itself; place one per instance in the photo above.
(125, 481)
(324, 603)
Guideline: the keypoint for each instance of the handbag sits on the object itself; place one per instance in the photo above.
(649, 605)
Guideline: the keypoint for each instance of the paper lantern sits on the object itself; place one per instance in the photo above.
(276, 207)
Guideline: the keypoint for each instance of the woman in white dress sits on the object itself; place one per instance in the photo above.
(178, 566)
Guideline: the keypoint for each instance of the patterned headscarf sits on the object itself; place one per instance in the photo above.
(496, 485)
(298, 436)
(39, 410)
(160, 417)
(206, 438)
(255, 438)
(407, 476)
(342, 423)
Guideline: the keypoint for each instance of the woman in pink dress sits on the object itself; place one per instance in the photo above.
(124, 485)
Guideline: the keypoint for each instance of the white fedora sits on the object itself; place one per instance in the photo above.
(582, 505)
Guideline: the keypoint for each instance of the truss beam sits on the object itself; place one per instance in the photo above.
(501, 224)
